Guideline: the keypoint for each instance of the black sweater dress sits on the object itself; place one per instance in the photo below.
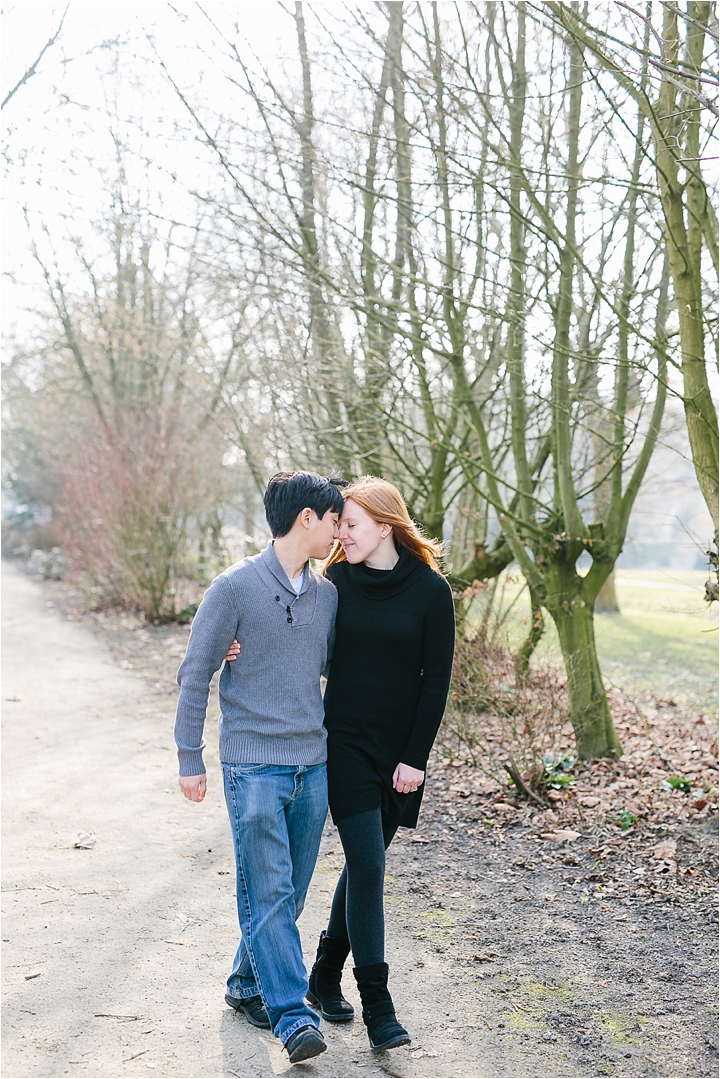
(388, 683)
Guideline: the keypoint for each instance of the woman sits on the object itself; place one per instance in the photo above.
(384, 701)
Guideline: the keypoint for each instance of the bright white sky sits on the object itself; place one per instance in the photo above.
(57, 135)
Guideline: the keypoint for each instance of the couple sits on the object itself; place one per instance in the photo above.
(384, 615)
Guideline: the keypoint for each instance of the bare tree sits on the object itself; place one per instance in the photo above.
(677, 115)
(133, 440)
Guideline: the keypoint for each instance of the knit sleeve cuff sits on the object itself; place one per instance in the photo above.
(191, 762)
(413, 760)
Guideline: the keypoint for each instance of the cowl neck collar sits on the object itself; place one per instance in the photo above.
(404, 573)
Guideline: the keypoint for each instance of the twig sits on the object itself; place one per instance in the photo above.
(517, 779)
(109, 1015)
(389, 1071)
(34, 66)
(140, 1054)
(487, 1024)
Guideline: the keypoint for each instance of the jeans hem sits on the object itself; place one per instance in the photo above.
(243, 996)
(305, 1021)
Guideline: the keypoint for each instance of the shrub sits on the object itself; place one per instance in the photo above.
(512, 729)
(129, 495)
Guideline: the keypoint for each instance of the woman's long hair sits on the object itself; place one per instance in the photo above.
(387, 506)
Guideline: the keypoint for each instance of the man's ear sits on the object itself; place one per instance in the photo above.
(305, 517)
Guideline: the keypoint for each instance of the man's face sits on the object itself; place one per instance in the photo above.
(322, 534)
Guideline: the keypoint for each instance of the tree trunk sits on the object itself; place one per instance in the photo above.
(595, 734)
(537, 628)
(606, 602)
(684, 243)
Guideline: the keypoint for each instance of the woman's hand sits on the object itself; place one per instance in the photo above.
(407, 779)
(233, 651)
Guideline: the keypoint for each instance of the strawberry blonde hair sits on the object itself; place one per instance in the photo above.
(387, 506)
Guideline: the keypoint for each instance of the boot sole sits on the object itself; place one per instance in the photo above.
(391, 1043)
(315, 1003)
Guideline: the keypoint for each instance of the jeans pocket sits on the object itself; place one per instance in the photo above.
(246, 769)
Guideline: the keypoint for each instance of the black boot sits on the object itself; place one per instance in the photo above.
(383, 1029)
(324, 982)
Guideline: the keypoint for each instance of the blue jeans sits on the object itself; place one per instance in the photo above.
(277, 814)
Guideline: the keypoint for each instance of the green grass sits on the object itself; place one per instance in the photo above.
(664, 641)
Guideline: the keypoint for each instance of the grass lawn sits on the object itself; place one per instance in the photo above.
(664, 641)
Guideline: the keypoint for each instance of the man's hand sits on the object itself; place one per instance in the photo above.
(193, 787)
(407, 779)
(233, 651)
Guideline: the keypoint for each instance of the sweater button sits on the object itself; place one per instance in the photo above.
(277, 599)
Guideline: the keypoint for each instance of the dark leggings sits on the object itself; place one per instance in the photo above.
(357, 906)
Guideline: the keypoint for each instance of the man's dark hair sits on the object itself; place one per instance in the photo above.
(289, 493)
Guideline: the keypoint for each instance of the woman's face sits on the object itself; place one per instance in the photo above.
(360, 534)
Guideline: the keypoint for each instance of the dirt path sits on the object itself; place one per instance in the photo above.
(115, 957)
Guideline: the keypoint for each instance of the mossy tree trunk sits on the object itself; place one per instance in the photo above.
(571, 604)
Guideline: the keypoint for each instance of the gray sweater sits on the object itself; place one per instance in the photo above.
(270, 701)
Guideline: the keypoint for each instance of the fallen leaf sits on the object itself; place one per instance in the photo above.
(562, 835)
(666, 849)
(85, 841)
(589, 801)
(486, 957)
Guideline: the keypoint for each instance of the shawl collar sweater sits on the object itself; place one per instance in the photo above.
(271, 709)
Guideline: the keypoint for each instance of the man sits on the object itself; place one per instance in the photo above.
(272, 742)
